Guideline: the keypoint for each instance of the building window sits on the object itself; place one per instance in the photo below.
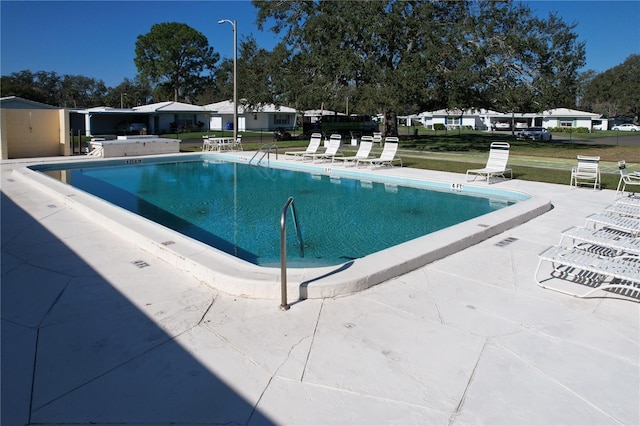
(184, 121)
(566, 122)
(282, 119)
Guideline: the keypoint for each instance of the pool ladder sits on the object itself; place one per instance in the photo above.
(283, 248)
(265, 150)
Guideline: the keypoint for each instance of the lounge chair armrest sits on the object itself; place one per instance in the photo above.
(634, 176)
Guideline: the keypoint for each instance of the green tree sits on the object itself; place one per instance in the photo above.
(373, 54)
(404, 56)
(255, 80)
(40, 86)
(616, 92)
(512, 61)
(584, 81)
(77, 91)
(70, 91)
(128, 94)
(258, 77)
(174, 57)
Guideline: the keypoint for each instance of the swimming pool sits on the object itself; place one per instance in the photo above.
(319, 274)
(236, 208)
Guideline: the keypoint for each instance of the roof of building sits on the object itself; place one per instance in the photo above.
(170, 106)
(103, 110)
(16, 102)
(458, 112)
(568, 112)
(226, 107)
(556, 112)
(321, 112)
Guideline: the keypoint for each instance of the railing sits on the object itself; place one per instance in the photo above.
(265, 149)
(283, 249)
(96, 152)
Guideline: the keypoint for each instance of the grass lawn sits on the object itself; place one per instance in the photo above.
(458, 151)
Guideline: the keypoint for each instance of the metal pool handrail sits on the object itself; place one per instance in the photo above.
(265, 149)
(283, 249)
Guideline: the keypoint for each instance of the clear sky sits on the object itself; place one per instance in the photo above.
(97, 38)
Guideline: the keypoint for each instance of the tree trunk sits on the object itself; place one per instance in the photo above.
(390, 124)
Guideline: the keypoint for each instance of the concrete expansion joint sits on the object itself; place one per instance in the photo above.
(206, 311)
(55, 210)
(458, 408)
(540, 371)
(614, 354)
(104, 373)
(286, 358)
(313, 337)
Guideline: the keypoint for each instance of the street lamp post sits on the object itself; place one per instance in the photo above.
(235, 77)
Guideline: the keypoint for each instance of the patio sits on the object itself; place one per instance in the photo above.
(96, 330)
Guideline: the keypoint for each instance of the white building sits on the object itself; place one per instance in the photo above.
(268, 117)
(565, 117)
(476, 119)
(161, 117)
(166, 117)
(481, 119)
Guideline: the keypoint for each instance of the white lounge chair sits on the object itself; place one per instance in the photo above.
(573, 266)
(208, 144)
(629, 200)
(626, 178)
(387, 157)
(623, 223)
(624, 210)
(238, 144)
(332, 150)
(496, 164)
(377, 138)
(587, 172)
(366, 144)
(618, 242)
(312, 148)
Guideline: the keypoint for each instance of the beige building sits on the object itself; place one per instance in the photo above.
(32, 129)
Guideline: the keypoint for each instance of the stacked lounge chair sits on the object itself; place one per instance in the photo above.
(604, 256)
(622, 209)
(612, 220)
(629, 200)
(618, 242)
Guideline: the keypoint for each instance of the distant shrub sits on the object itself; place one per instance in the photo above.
(569, 129)
(439, 126)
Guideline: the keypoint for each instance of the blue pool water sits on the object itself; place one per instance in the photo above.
(236, 208)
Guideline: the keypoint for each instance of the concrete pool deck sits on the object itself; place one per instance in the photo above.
(96, 330)
(240, 278)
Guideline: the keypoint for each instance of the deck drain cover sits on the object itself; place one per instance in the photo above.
(140, 263)
(506, 241)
